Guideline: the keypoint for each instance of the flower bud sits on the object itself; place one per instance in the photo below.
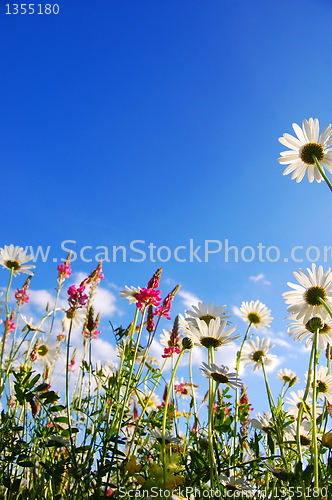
(187, 343)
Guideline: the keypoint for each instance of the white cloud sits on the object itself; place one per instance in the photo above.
(188, 299)
(105, 302)
(39, 299)
(260, 277)
(236, 311)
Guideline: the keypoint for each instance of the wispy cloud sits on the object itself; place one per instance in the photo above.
(260, 277)
(188, 299)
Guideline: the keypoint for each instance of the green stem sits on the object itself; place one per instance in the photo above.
(3, 380)
(67, 394)
(210, 419)
(192, 386)
(321, 170)
(322, 301)
(237, 369)
(168, 395)
(301, 407)
(314, 413)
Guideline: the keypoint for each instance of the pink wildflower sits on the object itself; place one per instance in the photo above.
(150, 320)
(109, 492)
(95, 277)
(77, 297)
(64, 270)
(148, 296)
(72, 363)
(167, 303)
(9, 324)
(21, 295)
(155, 280)
(173, 342)
(169, 351)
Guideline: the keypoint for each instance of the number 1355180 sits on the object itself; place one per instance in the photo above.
(32, 8)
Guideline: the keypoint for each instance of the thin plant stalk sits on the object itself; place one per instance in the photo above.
(163, 429)
(314, 412)
(321, 171)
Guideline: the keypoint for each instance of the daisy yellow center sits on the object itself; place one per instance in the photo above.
(258, 356)
(285, 378)
(232, 487)
(313, 294)
(314, 323)
(312, 148)
(305, 441)
(254, 318)
(207, 318)
(210, 342)
(148, 402)
(219, 377)
(13, 264)
(322, 386)
(43, 350)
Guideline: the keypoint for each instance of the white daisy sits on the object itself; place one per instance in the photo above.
(301, 331)
(130, 293)
(208, 335)
(29, 323)
(221, 375)
(76, 316)
(45, 352)
(262, 422)
(158, 436)
(287, 376)
(151, 401)
(206, 313)
(256, 313)
(302, 149)
(236, 484)
(290, 432)
(15, 258)
(108, 369)
(304, 301)
(256, 353)
(295, 401)
(324, 384)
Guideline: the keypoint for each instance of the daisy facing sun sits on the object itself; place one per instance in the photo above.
(307, 151)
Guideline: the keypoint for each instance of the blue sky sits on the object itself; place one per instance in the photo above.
(158, 121)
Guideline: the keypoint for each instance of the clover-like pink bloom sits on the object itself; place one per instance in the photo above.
(147, 297)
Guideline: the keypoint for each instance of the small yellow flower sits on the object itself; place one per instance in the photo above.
(179, 479)
(327, 440)
(131, 466)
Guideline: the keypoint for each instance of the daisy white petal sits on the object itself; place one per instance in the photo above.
(158, 436)
(262, 422)
(130, 293)
(256, 313)
(221, 375)
(301, 331)
(205, 312)
(211, 335)
(307, 143)
(256, 353)
(287, 376)
(15, 259)
(304, 301)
